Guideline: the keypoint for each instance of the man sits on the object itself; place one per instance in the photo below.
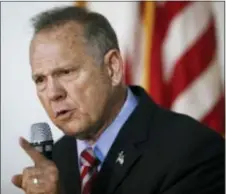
(117, 140)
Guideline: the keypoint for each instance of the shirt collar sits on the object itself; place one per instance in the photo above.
(105, 141)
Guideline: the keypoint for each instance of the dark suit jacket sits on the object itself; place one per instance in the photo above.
(165, 153)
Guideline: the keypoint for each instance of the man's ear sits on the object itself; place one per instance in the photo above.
(114, 65)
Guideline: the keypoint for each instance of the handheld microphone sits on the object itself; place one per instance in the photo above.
(41, 139)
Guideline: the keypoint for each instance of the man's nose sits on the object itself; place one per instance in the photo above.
(55, 91)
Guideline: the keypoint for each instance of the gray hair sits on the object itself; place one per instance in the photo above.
(97, 30)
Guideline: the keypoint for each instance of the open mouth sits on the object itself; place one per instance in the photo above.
(62, 113)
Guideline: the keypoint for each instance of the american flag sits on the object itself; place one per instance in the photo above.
(174, 56)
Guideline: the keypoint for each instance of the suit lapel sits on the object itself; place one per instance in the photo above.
(115, 170)
(121, 170)
(71, 170)
(130, 141)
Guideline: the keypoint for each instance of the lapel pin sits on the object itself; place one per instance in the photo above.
(120, 158)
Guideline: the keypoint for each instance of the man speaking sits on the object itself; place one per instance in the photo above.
(117, 140)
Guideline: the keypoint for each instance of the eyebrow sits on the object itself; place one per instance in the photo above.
(56, 70)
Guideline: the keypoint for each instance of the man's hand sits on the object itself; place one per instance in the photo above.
(39, 179)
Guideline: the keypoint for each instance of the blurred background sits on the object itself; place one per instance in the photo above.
(175, 50)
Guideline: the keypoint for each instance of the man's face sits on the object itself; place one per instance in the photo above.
(74, 90)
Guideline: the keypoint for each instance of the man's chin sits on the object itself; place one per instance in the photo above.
(73, 133)
(86, 134)
(81, 132)
(70, 128)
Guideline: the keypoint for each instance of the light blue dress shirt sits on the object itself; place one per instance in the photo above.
(105, 141)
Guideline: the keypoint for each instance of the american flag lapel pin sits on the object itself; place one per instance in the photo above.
(120, 158)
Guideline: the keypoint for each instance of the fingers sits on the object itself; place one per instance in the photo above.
(29, 174)
(41, 178)
(25, 181)
(17, 180)
(36, 180)
(37, 157)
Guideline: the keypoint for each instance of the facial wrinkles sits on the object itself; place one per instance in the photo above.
(47, 52)
(88, 92)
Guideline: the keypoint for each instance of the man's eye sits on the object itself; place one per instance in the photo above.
(39, 80)
(66, 71)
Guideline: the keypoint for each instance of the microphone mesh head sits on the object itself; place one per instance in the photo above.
(40, 132)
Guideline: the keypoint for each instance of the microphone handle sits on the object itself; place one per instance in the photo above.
(44, 147)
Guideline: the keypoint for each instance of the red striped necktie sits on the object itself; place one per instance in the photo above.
(89, 164)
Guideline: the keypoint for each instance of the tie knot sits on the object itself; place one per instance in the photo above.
(88, 158)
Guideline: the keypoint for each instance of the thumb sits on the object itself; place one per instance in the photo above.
(37, 157)
(17, 180)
